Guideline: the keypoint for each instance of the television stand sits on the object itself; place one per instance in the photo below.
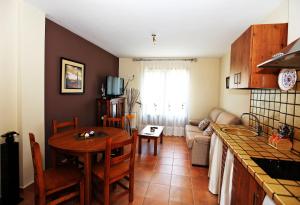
(112, 107)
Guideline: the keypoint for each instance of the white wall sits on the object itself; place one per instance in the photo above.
(23, 80)
(237, 101)
(31, 84)
(294, 20)
(8, 65)
(279, 15)
(204, 86)
(204, 83)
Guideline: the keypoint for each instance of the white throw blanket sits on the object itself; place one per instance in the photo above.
(268, 201)
(215, 167)
(212, 147)
(225, 198)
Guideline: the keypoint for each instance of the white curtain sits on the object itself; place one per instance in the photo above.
(164, 95)
(225, 198)
(215, 167)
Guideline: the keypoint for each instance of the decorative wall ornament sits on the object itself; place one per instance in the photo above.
(287, 79)
(154, 40)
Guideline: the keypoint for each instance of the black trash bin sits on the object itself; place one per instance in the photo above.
(10, 183)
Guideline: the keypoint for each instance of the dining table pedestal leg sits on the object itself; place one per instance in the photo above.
(140, 145)
(88, 178)
(155, 146)
(53, 158)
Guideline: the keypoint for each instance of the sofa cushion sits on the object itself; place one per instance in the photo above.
(214, 113)
(203, 124)
(227, 118)
(208, 131)
(191, 128)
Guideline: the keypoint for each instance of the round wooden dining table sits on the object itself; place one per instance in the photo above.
(71, 143)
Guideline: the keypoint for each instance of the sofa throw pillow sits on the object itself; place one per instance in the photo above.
(208, 131)
(203, 124)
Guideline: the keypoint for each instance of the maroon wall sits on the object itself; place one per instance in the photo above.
(60, 42)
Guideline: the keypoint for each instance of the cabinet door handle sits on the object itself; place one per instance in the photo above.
(235, 78)
(239, 78)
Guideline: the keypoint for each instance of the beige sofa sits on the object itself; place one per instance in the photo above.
(198, 143)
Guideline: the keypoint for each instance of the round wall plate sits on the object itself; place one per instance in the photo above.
(287, 78)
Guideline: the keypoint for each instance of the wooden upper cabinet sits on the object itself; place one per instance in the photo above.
(257, 44)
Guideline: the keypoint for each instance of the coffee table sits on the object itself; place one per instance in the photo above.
(154, 135)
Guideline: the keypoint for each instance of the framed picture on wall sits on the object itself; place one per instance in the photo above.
(72, 77)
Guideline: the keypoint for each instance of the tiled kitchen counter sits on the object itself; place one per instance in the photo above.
(283, 192)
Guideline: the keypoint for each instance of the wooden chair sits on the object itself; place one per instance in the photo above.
(118, 122)
(63, 126)
(118, 167)
(53, 181)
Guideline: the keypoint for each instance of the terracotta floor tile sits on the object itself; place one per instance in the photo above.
(181, 170)
(144, 176)
(167, 152)
(122, 199)
(140, 188)
(199, 171)
(155, 201)
(182, 195)
(160, 191)
(181, 151)
(28, 195)
(181, 181)
(182, 162)
(119, 198)
(147, 158)
(181, 156)
(148, 167)
(137, 201)
(203, 196)
(168, 146)
(200, 182)
(179, 203)
(165, 160)
(159, 178)
(180, 146)
(144, 168)
(161, 168)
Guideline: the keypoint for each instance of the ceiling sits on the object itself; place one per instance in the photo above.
(184, 28)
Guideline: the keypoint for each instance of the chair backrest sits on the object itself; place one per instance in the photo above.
(118, 122)
(126, 155)
(60, 125)
(39, 180)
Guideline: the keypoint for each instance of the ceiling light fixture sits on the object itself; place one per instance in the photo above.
(154, 40)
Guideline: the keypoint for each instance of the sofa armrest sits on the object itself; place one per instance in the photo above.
(202, 139)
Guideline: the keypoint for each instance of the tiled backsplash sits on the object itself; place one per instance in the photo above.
(275, 107)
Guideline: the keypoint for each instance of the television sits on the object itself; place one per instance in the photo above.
(114, 86)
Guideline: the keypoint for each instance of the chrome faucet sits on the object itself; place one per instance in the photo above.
(258, 127)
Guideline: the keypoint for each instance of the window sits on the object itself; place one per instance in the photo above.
(164, 95)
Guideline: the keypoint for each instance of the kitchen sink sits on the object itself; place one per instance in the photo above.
(279, 169)
(239, 131)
